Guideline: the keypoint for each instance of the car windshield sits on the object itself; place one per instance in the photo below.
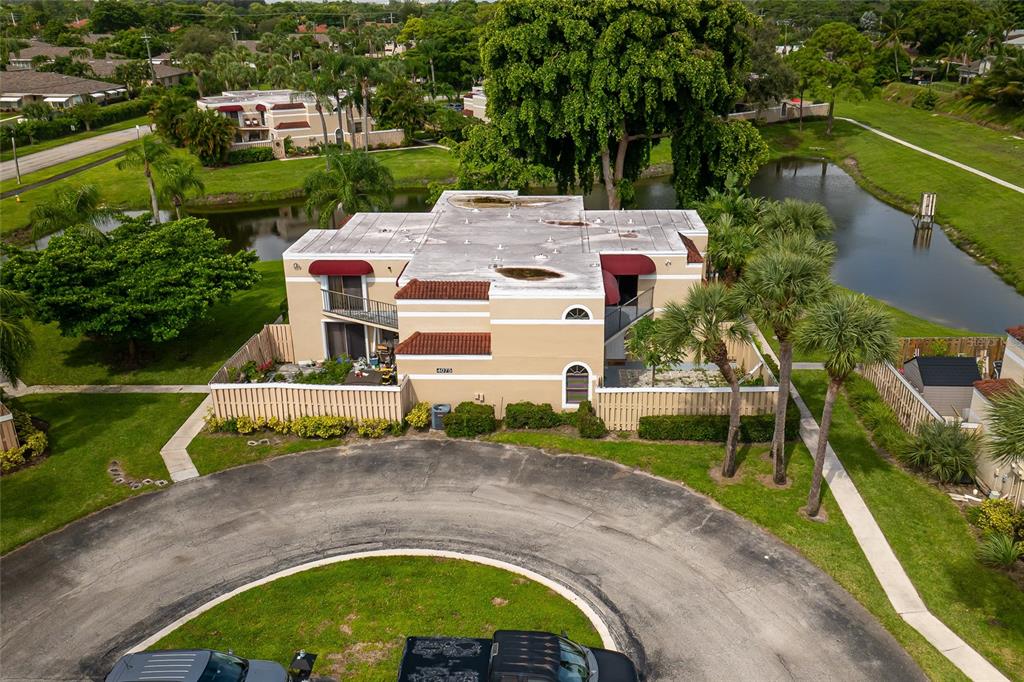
(224, 668)
(573, 667)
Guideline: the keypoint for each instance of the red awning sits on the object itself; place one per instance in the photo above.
(340, 267)
(611, 289)
(230, 107)
(261, 107)
(628, 264)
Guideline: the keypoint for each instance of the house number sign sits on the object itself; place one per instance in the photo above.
(445, 370)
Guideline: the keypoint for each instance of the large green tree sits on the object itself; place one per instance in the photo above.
(167, 114)
(16, 343)
(849, 330)
(835, 60)
(584, 87)
(208, 135)
(146, 282)
(149, 154)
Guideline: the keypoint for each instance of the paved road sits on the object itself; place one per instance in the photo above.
(66, 152)
(694, 592)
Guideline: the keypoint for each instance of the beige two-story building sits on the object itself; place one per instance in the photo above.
(491, 296)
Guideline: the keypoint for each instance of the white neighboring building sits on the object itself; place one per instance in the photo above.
(474, 103)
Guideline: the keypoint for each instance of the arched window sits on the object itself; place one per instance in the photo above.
(577, 384)
(576, 312)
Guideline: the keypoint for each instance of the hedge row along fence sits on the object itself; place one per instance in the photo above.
(28, 131)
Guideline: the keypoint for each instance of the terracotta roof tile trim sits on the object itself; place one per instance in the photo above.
(993, 387)
(443, 290)
(692, 252)
(1017, 332)
(446, 343)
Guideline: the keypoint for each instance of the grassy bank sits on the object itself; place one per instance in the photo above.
(931, 539)
(42, 146)
(364, 610)
(962, 108)
(980, 216)
(831, 546)
(213, 452)
(86, 432)
(192, 358)
(246, 183)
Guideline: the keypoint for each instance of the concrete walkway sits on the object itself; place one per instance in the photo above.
(940, 157)
(175, 451)
(69, 151)
(22, 389)
(887, 568)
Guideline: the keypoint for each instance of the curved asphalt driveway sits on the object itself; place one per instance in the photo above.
(691, 590)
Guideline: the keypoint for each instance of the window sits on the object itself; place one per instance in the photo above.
(577, 313)
(577, 384)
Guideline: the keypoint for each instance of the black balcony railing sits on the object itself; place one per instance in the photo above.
(618, 317)
(362, 309)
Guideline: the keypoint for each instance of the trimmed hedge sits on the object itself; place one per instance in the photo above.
(469, 420)
(61, 124)
(588, 423)
(715, 427)
(527, 415)
(250, 155)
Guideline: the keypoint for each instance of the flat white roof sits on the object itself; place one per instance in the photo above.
(476, 235)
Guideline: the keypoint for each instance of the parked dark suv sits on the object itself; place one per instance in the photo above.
(194, 665)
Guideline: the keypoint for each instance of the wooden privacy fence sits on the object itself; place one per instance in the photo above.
(991, 347)
(8, 436)
(908, 405)
(621, 408)
(288, 401)
(273, 342)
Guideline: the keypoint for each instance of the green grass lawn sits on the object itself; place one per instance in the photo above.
(979, 215)
(830, 545)
(356, 614)
(50, 171)
(192, 358)
(932, 540)
(86, 432)
(246, 183)
(42, 146)
(212, 452)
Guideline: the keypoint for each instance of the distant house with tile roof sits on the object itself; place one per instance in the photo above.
(18, 88)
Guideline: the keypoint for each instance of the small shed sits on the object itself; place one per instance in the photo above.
(947, 383)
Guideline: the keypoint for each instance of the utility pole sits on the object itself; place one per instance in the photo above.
(149, 57)
(17, 168)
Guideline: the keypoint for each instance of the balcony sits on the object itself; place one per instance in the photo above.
(361, 310)
(620, 317)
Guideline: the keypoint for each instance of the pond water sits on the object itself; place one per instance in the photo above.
(879, 252)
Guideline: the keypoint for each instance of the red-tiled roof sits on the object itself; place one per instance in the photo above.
(291, 125)
(992, 387)
(446, 343)
(692, 252)
(444, 290)
(288, 105)
(1017, 332)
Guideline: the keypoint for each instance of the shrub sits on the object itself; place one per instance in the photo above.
(1000, 550)
(334, 371)
(588, 423)
(321, 427)
(419, 416)
(469, 419)
(13, 459)
(998, 516)
(527, 415)
(715, 427)
(251, 155)
(33, 443)
(926, 99)
(374, 427)
(942, 450)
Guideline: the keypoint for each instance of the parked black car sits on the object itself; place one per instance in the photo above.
(512, 656)
(194, 665)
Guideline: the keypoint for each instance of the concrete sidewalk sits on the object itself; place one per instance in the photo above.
(887, 568)
(22, 389)
(69, 151)
(175, 451)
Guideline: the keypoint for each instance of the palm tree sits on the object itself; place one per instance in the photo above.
(147, 154)
(792, 215)
(729, 246)
(208, 134)
(849, 330)
(365, 70)
(199, 66)
(710, 318)
(16, 344)
(777, 287)
(178, 179)
(894, 26)
(69, 207)
(741, 206)
(1005, 429)
(351, 183)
